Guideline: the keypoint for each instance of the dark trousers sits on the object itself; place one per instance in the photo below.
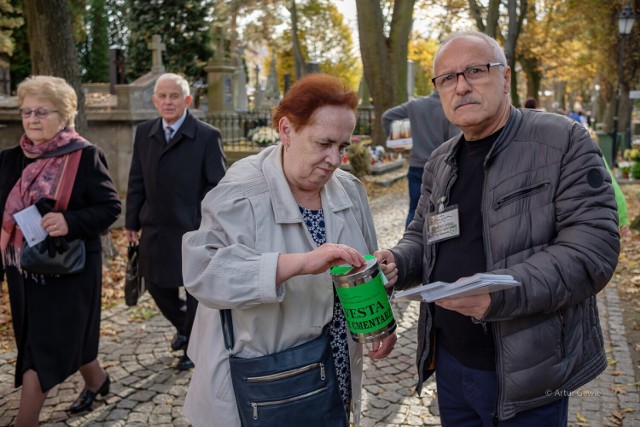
(170, 304)
(414, 178)
(467, 397)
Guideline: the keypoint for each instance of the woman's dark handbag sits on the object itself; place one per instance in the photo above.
(133, 283)
(47, 260)
(56, 256)
(296, 386)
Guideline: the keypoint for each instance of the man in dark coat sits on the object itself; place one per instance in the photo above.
(177, 159)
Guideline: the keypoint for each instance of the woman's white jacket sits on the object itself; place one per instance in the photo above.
(230, 263)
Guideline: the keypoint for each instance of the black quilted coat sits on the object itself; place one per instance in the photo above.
(550, 221)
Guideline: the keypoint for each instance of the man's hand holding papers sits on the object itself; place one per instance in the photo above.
(478, 284)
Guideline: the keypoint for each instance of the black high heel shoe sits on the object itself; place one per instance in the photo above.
(87, 397)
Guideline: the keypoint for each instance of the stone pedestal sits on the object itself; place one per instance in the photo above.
(220, 91)
(221, 100)
(137, 95)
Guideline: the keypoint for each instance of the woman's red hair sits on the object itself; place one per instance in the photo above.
(310, 93)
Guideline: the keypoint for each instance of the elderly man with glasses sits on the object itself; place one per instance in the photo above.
(530, 197)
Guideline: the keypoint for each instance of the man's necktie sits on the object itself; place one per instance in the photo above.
(168, 133)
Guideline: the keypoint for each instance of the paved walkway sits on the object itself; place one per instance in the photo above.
(147, 390)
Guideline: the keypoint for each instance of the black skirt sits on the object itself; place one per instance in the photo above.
(56, 321)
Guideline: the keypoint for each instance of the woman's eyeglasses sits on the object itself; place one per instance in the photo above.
(41, 113)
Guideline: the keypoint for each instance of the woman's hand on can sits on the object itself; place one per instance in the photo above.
(381, 349)
(317, 261)
(330, 254)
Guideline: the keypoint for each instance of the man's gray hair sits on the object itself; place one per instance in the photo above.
(496, 50)
(177, 79)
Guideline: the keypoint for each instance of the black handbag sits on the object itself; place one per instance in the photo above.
(133, 283)
(296, 386)
(39, 259)
(57, 256)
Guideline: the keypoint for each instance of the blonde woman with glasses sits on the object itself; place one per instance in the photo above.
(56, 319)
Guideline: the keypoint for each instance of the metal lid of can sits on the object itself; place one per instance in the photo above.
(347, 273)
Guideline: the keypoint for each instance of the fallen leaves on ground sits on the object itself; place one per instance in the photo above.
(616, 417)
(618, 389)
(581, 418)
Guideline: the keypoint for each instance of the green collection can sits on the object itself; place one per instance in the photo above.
(364, 300)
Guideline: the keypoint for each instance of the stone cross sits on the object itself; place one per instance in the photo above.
(156, 47)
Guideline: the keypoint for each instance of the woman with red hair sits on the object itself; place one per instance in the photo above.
(270, 231)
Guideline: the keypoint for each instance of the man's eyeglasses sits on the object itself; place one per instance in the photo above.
(473, 74)
(41, 113)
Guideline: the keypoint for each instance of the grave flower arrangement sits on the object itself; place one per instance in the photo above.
(264, 136)
(631, 165)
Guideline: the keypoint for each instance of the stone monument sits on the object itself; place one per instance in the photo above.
(156, 47)
(241, 102)
(313, 67)
(364, 94)
(272, 91)
(220, 78)
(137, 95)
(116, 67)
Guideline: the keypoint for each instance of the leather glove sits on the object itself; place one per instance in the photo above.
(53, 245)
(45, 205)
(61, 244)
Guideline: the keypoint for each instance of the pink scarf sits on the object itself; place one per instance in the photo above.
(39, 179)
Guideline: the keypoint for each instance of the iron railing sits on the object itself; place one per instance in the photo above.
(236, 126)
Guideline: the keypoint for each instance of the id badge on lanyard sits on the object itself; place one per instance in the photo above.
(444, 224)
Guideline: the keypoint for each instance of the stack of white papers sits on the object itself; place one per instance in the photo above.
(480, 283)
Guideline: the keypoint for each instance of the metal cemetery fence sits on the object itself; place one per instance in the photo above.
(236, 126)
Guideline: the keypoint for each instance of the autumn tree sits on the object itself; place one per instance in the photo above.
(421, 52)
(529, 53)
(297, 32)
(298, 60)
(184, 30)
(10, 19)
(117, 18)
(20, 66)
(53, 51)
(97, 64)
(486, 17)
(384, 52)
(324, 39)
(488, 20)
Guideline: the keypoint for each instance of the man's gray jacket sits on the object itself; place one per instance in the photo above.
(429, 126)
(549, 220)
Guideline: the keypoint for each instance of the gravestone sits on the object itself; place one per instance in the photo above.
(220, 90)
(287, 81)
(241, 102)
(258, 94)
(157, 47)
(137, 95)
(220, 78)
(272, 91)
(313, 67)
(364, 94)
(116, 67)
